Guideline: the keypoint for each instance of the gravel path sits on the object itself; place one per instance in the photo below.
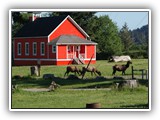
(47, 90)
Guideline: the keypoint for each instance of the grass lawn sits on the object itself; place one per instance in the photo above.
(67, 96)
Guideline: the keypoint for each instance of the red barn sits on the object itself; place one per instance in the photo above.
(55, 40)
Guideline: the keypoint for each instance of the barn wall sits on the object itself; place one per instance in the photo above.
(51, 54)
(62, 50)
(66, 28)
(30, 41)
(82, 50)
(33, 62)
(90, 51)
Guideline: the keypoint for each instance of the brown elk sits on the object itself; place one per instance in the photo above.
(72, 69)
(121, 68)
(91, 69)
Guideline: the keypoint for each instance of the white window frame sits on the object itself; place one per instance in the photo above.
(42, 43)
(34, 48)
(26, 50)
(53, 48)
(19, 49)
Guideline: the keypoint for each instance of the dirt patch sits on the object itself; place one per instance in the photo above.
(36, 89)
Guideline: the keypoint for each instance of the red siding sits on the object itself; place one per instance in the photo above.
(51, 55)
(32, 62)
(30, 41)
(90, 51)
(66, 28)
(62, 54)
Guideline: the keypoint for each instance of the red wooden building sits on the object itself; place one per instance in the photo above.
(55, 40)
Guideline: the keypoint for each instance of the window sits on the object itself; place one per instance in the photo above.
(42, 48)
(26, 48)
(34, 48)
(19, 48)
(53, 48)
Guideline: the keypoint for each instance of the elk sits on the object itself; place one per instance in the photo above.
(91, 69)
(121, 68)
(72, 69)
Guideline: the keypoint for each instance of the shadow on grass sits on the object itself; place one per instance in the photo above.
(100, 82)
(143, 106)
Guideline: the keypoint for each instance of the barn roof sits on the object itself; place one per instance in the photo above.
(42, 27)
(70, 39)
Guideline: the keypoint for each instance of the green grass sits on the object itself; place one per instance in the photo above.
(103, 65)
(67, 97)
(61, 98)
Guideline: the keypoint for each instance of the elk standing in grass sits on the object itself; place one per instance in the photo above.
(121, 68)
(91, 69)
(74, 69)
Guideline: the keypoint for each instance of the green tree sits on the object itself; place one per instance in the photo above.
(107, 37)
(125, 36)
(18, 20)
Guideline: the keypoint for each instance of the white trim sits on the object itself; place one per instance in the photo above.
(19, 53)
(26, 50)
(34, 43)
(76, 43)
(42, 43)
(26, 59)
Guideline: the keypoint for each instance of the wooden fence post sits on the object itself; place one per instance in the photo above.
(132, 73)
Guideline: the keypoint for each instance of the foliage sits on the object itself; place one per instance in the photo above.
(107, 37)
(125, 36)
(140, 38)
(19, 19)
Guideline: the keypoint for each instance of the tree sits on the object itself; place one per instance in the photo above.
(107, 37)
(19, 19)
(125, 36)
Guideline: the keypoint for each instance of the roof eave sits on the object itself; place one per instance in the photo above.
(76, 43)
(30, 37)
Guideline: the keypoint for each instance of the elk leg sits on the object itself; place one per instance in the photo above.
(123, 72)
(92, 73)
(95, 74)
(66, 73)
(114, 71)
